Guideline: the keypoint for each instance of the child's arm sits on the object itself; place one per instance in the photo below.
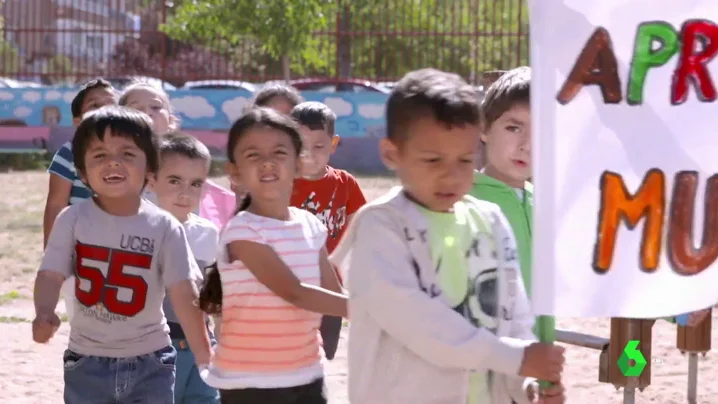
(46, 296)
(183, 296)
(383, 285)
(56, 266)
(179, 273)
(270, 270)
(329, 278)
(58, 197)
(521, 389)
(356, 198)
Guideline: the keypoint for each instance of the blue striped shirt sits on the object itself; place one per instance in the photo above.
(62, 165)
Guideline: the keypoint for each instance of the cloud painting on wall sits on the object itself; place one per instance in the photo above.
(233, 108)
(358, 114)
(193, 107)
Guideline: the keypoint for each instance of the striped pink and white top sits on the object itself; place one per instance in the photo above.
(266, 342)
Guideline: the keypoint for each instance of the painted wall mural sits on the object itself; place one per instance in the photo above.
(34, 119)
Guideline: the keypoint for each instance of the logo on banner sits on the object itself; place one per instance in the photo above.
(632, 362)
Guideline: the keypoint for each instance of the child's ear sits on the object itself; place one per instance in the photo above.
(76, 121)
(151, 181)
(174, 123)
(232, 172)
(389, 153)
(482, 133)
(483, 137)
(335, 142)
(81, 175)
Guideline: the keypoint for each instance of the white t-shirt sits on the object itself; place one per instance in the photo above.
(202, 236)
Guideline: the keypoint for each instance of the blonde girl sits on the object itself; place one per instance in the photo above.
(218, 203)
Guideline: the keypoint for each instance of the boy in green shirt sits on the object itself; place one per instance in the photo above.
(506, 137)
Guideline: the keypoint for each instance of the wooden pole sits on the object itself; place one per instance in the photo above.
(622, 331)
(694, 340)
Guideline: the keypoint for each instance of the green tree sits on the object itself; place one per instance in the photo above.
(380, 38)
(59, 70)
(281, 29)
(9, 56)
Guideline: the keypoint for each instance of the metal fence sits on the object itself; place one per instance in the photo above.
(66, 41)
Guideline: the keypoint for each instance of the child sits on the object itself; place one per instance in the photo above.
(217, 204)
(66, 187)
(438, 308)
(330, 194)
(279, 97)
(154, 102)
(183, 169)
(506, 140)
(124, 252)
(275, 275)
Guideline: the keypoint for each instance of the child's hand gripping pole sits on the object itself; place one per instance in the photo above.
(546, 332)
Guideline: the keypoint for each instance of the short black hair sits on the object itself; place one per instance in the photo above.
(511, 88)
(182, 144)
(315, 116)
(76, 106)
(266, 94)
(445, 96)
(121, 121)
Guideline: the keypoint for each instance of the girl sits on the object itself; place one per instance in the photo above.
(279, 97)
(274, 278)
(154, 102)
(217, 204)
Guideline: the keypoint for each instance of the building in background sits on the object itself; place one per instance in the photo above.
(56, 37)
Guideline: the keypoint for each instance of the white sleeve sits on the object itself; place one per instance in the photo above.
(382, 283)
(523, 319)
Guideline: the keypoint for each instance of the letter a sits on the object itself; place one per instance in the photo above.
(596, 65)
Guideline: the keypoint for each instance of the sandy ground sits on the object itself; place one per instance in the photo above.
(32, 373)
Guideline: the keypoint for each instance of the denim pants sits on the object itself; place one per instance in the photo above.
(145, 379)
(189, 387)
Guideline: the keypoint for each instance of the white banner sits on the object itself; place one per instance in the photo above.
(626, 156)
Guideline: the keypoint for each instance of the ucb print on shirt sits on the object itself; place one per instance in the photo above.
(122, 266)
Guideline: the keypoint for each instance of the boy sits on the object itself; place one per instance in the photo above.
(506, 139)
(123, 252)
(65, 187)
(332, 195)
(184, 166)
(435, 287)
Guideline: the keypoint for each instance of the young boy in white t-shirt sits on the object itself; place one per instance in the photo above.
(183, 170)
(124, 253)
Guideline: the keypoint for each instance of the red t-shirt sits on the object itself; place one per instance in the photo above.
(332, 199)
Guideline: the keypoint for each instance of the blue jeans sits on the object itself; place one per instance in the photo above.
(145, 379)
(189, 387)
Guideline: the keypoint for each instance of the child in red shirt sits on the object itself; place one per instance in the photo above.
(331, 194)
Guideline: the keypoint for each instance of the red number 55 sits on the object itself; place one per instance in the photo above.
(104, 288)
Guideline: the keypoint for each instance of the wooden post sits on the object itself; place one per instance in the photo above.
(694, 340)
(622, 331)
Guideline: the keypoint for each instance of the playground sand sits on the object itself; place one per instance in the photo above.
(32, 373)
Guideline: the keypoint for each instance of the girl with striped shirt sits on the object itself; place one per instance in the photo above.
(274, 280)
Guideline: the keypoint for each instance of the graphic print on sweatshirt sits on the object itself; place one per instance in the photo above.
(465, 265)
(333, 220)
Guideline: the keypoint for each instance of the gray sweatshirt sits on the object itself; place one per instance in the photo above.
(406, 344)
